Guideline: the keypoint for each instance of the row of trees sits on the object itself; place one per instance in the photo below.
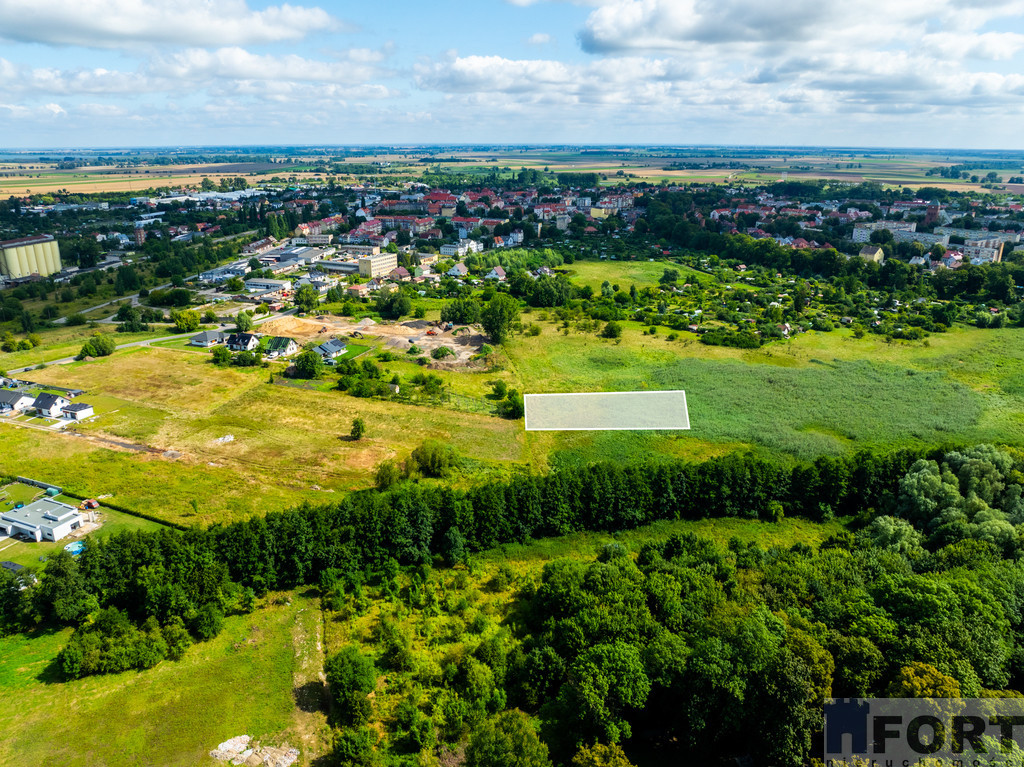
(685, 649)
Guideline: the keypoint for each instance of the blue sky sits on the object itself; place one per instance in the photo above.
(929, 73)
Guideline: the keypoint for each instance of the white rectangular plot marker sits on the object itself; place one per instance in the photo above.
(607, 411)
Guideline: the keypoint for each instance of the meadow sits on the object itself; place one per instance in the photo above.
(216, 444)
(241, 682)
(239, 445)
(820, 393)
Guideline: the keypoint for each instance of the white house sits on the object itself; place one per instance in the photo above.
(207, 338)
(17, 401)
(78, 411)
(50, 405)
(497, 273)
(242, 342)
(329, 350)
(459, 270)
(43, 520)
(280, 346)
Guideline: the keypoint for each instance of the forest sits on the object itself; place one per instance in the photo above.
(681, 643)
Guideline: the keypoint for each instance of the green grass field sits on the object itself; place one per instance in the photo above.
(642, 273)
(239, 683)
(821, 393)
(63, 342)
(287, 444)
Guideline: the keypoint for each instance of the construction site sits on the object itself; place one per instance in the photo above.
(464, 341)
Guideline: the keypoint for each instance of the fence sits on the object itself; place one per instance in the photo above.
(37, 483)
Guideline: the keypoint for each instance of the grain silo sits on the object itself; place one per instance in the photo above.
(27, 256)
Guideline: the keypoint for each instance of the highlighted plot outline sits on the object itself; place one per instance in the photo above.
(607, 411)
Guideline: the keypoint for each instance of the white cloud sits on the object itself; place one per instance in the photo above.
(126, 23)
(688, 25)
(43, 112)
(539, 38)
(222, 72)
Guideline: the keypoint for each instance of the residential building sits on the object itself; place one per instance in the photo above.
(14, 400)
(872, 253)
(331, 349)
(378, 265)
(242, 342)
(497, 273)
(77, 411)
(50, 405)
(461, 249)
(43, 520)
(459, 270)
(279, 346)
(862, 232)
(207, 338)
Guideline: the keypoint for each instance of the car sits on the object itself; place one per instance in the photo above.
(19, 505)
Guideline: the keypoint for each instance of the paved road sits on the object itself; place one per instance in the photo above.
(148, 341)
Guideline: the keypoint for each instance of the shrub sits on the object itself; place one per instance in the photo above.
(358, 429)
(441, 352)
(433, 459)
(351, 676)
(208, 621)
(221, 355)
(612, 330)
(98, 346)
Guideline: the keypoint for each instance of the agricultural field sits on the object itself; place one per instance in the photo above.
(87, 180)
(767, 167)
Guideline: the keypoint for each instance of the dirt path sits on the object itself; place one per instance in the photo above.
(311, 731)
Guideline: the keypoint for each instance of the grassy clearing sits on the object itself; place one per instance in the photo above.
(239, 683)
(66, 342)
(16, 492)
(642, 273)
(287, 444)
(822, 393)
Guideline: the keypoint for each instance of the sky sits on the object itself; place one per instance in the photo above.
(906, 73)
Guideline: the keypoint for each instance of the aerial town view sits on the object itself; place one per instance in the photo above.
(606, 383)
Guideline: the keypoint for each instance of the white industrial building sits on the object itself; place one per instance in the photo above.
(43, 520)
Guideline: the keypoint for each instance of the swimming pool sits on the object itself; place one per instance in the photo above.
(75, 548)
